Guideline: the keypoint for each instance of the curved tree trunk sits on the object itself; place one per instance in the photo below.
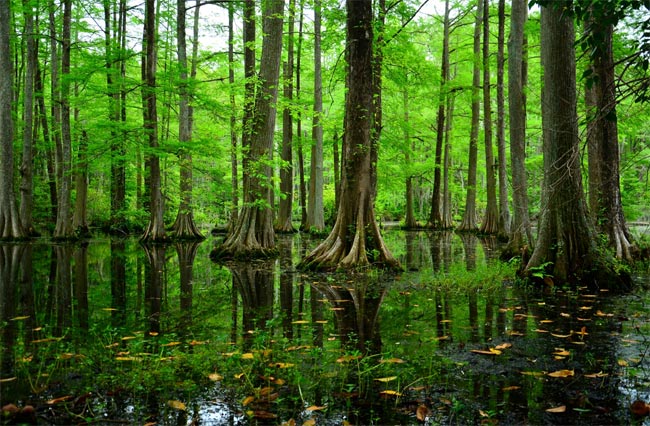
(10, 226)
(184, 226)
(355, 239)
(602, 143)
(468, 223)
(253, 233)
(566, 247)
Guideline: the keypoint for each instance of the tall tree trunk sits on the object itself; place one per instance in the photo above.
(234, 174)
(355, 239)
(184, 226)
(63, 228)
(409, 219)
(80, 216)
(468, 223)
(156, 228)
(10, 226)
(27, 164)
(285, 218)
(47, 141)
(249, 91)
(447, 220)
(253, 233)
(504, 210)
(602, 143)
(315, 211)
(566, 247)
(301, 159)
(435, 217)
(521, 237)
(490, 224)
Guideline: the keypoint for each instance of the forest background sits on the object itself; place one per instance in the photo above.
(131, 130)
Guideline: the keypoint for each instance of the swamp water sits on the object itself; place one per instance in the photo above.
(110, 332)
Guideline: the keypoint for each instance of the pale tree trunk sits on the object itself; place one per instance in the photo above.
(520, 240)
(284, 221)
(27, 164)
(566, 248)
(490, 224)
(468, 223)
(602, 143)
(315, 208)
(10, 226)
(504, 209)
(355, 239)
(155, 230)
(379, 26)
(234, 174)
(184, 226)
(252, 235)
(63, 228)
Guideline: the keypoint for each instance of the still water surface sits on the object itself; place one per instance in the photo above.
(114, 332)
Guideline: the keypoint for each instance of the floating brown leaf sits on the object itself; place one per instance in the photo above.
(640, 408)
(59, 399)
(290, 422)
(562, 373)
(503, 346)
(422, 412)
(316, 408)
(348, 358)
(510, 388)
(170, 344)
(247, 400)
(560, 409)
(596, 375)
(177, 405)
(561, 352)
(312, 422)
(390, 392)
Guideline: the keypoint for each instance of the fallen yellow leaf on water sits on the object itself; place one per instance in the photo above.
(491, 351)
(215, 377)
(390, 392)
(316, 408)
(510, 388)
(19, 318)
(178, 405)
(503, 346)
(560, 409)
(622, 363)
(8, 379)
(348, 358)
(533, 373)
(300, 322)
(171, 344)
(247, 400)
(247, 355)
(290, 422)
(596, 375)
(546, 321)
(562, 373)
(239, 376)
(281, 365)
(561, 336)
(60, 399)
(393, 361)
(386, 379)
(561, 352)
(310, 422)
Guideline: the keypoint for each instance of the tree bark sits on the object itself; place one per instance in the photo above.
(155, 230)
(602, 143)
(285, 217)
(252, 235)
(435, 218)
(468, 223)
(27, 164)
(566, 247)
(490, 224)
(80, 216)
(355, 239)
(184, 227)
(10, 226)
(315, 208)
(504, 209)
(234, 174)
(63, 229)
(521, 237)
